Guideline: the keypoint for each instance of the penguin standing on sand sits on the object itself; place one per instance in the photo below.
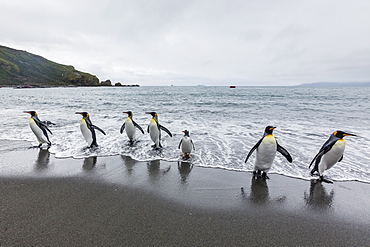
(88, 130)
(186, 145)
(130, 125)
(39, 128)
(266, 151)
(154, 129)
(329, 154)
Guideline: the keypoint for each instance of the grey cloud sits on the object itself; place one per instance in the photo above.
(190, 42)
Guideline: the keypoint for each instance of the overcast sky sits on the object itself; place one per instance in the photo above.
(162, 42)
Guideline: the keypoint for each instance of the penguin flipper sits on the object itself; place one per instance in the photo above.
(96, 127)
(48, 129)
(138, 126)
(193, 144)
(122, 128)
(48, 123)
(319, 155)
(252, 150)
(165, 129)
(284, 152)
(42, 126)
(180, 144)
(341, 158)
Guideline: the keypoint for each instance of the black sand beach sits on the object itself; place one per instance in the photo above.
(116, 201)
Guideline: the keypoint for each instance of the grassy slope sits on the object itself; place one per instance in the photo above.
(20, 67)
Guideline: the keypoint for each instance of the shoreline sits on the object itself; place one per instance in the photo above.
(118, 201)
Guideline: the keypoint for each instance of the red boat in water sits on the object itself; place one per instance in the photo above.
(232, 86)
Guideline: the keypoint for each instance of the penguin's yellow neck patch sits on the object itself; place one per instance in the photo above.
(270, 135)
(152, 120)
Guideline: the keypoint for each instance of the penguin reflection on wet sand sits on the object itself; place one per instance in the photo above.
(184, 170)
(129, 125)
(88, 130)
(266, 150)
(318, 198)
(186, 145)
(329, 154)
(154, 129)
(43, 159)
(259, 193)
(39, 128)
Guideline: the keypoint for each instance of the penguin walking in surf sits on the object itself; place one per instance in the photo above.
(130, 125)
(39, 128)
(329, 154)
(154, 129)
(88, 130)
(266, 150)
(186, 145)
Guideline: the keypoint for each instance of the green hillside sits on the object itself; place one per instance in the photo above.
(23, 68)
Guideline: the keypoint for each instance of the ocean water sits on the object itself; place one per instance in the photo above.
(224, 123)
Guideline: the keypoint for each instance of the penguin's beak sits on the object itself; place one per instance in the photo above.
(79, 113)
(27, 112)
(348, 134)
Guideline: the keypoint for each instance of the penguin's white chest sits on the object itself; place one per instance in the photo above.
(329, 159)
(37, 131)
(130, 129)
(266, 153)
(86, 132)
(186, 145)
(154, 131)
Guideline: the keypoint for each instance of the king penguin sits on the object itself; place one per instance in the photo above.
(329, 154)
(154, 129)
(186, 145)
(130, 125)
(266, 151)
(39, 128)
(88, 130)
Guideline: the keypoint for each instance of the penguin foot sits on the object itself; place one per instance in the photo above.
(322, 179)
(131, 143)
(185, 156)
(255, 174)
(92, 147)
(264, 175)
(314, 172)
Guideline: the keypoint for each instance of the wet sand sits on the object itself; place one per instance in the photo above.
(117, 201)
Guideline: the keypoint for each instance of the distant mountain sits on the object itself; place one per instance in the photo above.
(22, 68)
(336, 84)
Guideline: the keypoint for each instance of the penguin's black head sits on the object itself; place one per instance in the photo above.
(341, 134)
(186, 133)
(153, 113)
(33, 113)
(269, 129)
(129, 113)
(84, 114)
